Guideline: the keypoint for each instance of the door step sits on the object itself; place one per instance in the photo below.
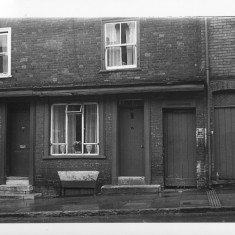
(26, 189)
(14, 196)
(130, 189)
(127, 180)
(17, 180)
(17, 192)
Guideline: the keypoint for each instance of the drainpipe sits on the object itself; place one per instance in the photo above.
(208, 104)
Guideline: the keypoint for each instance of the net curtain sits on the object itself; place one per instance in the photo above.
(120, 55)
(90, 121)
(58, 126)
(3, 57)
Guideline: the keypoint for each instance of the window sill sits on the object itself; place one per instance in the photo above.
(120, 70)
(74, 157)
(5, 76)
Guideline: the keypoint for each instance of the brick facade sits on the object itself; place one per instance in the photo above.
(66, 53)
(221, 59)
(221, 47)
(58, 52)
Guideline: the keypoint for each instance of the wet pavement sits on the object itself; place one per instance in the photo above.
(164, 202)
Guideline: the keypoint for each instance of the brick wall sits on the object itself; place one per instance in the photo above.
(46, 176)
(59, 52)
(55, 52)
(175, 100)
(222, 47)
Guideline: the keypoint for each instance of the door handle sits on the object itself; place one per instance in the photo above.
(142, 146)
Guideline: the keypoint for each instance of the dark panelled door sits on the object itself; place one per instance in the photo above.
(180, 148)
(224, 142)
(131, 141)
(18, 140)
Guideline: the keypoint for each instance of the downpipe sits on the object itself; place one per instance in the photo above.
(209, 133)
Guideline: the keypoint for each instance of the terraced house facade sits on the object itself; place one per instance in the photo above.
(125, 97)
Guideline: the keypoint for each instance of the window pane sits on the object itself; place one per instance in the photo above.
(4, 64)
(90, 148)
(129, 31)
(113, 56)
(124, 32)
(3, 43)
(128, 55)
(75, 133)
(58, 124)
(112, 34)
(1, 64)
(59, 148)
(90, 123)
(74, 108)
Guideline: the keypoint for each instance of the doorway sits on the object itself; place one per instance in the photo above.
(18, 140)
(179, 148)
(131, 138)
(224, 142)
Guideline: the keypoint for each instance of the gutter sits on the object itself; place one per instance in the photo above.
(101, 91)
(209, 133)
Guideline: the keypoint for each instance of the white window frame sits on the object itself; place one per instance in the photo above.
(66, 128)
(119, 45)
(7, 31)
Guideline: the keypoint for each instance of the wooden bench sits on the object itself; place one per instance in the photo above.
(78, 180)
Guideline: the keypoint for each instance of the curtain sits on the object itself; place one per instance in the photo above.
(4, 57)
(90, 123)
(71, 132)
(131, 55)
(130, 38)
(74, 128)
(5, 64)
(90, 117)
(131, 33)
(58, 130)
(120, 55)
(112, 34)
(113, 38)
(113, 56)
(1, 64)
(124, 39)
(3, 43)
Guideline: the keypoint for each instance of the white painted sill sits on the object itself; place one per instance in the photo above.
(84, 156)
(5, 76)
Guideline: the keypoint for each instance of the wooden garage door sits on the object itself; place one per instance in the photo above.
(180, 148)
(224, 142)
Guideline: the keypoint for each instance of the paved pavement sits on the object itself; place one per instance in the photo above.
(167, 202)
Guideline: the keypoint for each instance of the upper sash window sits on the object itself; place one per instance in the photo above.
(121, 45)
(5, 52)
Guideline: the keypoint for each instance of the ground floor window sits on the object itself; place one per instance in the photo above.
(74, 129)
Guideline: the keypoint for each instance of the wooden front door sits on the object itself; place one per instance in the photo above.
(224, 142)
(131, 141)
(179, 148)
(18, 140)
